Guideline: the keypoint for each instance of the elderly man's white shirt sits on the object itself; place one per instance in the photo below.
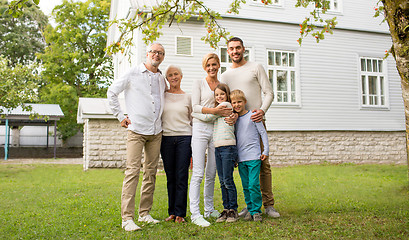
(142, 89)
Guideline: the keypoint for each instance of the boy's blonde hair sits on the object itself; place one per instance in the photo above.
(238, 94)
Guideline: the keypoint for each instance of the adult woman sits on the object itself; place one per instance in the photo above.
(202, 134)
(176, 143)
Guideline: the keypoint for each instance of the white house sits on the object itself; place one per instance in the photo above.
(336, 101)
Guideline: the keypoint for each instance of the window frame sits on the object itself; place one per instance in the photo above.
(364, 92)
(259, 3)
(289, 69)
(176, 45)
(331, 9)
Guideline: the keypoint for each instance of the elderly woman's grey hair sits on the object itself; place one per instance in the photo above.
(148, 48)
(173, 66)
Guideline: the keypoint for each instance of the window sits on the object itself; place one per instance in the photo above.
(373, 82)
(282, 73)
(225, 60)
(184, 46)
(273, 2)
(334, 5)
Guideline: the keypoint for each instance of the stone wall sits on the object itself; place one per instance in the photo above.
(337, 147)
(105, 146)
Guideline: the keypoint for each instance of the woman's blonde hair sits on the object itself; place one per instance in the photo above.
(209, 56)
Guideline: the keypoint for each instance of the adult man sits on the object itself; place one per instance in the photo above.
(144, 88)
(251, 78)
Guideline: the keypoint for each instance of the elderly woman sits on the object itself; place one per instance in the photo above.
(202, 139)
(176, 143)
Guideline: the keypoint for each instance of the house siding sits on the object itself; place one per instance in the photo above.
(328, 124)
(328, 75)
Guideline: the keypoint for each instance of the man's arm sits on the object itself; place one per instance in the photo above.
(268, 93)
(114, 90)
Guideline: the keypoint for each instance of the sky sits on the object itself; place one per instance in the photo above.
(48, 5)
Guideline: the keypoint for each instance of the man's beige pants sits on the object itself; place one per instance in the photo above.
(135, 144)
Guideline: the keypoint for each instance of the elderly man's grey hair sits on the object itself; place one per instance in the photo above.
(148, 48)
(173, 66)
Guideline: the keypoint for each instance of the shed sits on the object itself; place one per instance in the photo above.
(104, 143)
(47, 115)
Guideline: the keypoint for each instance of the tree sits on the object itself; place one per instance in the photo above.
(18, 85)
(21, 38)
(396, 14)
(74, 60)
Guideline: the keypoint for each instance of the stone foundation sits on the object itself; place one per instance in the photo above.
(288, 148)
(105, 146)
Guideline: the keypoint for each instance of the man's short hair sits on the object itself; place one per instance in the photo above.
(235, 39)
(148, 47)
(238, 94)
(209, 56)
(173, 66)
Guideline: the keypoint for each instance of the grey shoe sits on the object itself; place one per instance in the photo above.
(243, 212)
(223, 216)
(213, 214)
(271, 212)
(248, 217)
(257, 217)
(232, 216)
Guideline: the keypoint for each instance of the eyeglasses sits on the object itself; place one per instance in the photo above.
(156, 52)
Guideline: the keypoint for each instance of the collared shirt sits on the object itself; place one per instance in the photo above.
(144, 99)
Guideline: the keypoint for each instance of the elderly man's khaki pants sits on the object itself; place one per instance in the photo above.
(135, 144)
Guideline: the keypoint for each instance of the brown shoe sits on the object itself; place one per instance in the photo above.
(180, 219)
(170, 218)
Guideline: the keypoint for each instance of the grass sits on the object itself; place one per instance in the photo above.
(42, 201)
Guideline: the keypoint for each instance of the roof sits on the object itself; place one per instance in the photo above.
(20, 117)
(96, 108)
(51, 110)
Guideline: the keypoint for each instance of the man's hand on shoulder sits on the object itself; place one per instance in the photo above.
(126, 122)
(257, 116)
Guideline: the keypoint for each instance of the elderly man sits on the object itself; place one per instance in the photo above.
(144, 88)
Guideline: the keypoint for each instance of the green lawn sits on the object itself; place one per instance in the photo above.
(316, 202)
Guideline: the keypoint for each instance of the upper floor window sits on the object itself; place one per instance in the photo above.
(334, 5)
(373, 82)
(282, 72)
(225, 60)
(277, 2)
(184, 45)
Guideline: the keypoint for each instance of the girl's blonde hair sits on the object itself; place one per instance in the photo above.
(238, 94)
(209, 56)
(225, 89)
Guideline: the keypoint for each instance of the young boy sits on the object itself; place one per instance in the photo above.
(248, 144)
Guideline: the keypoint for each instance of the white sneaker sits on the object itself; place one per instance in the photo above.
(148, 219)
(271, 212)
(200, 221)
(213, 214)
(129, 225)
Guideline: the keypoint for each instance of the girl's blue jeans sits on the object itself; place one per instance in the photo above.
(226, 157)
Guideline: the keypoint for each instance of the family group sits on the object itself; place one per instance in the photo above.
(219, 126)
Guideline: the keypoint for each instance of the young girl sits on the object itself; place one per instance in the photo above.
(226, 153)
